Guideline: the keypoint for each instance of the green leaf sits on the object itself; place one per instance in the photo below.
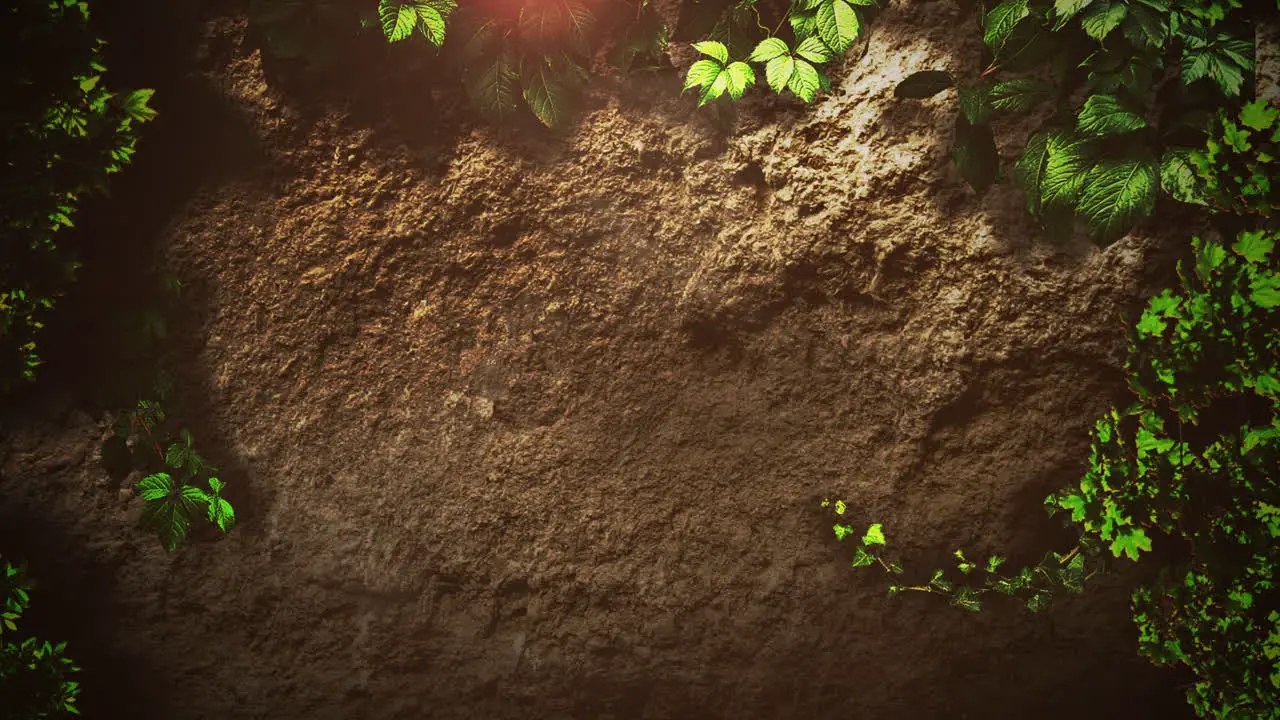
(1209, 257)
(804, 24)
(1067, 165)
(1254, 246)
(1029, 171)
(545, 91)
(741, 77)
(432, 24)
(702, 74)
(861, 558)
(154, 487)
(924, 84)
(814, 50)
(1130, 541)
(1146, 27)
(398, 20)
(176, 456)
(496, 88)
(975, 155)
(713, 49)
(1064, 10)
(1178, 177)
(999, 23)
(838, 25)
(1104, 115)
(1264, 290)
(805, 81)
(135, 105)
(1117, 195)
(1019, 96)
(975, 104)
(1259, 115)
(715, 89)
(768, 49)
(779, 71)
(1103, 19)
(874, 536)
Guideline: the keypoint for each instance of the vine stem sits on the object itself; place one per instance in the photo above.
(154, 444)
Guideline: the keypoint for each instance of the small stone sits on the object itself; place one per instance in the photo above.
(483, 407)
(125, 494)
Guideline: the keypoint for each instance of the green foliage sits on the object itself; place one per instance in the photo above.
(401, 17)
(821, 32)
(1204, 356)
(1234, 171)
(1034, 586)
(1119, 83)
(1191, 462)
(172, 490)
(62, 132)
(34, 674)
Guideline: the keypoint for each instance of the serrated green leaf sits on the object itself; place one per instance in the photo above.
(779, 71)
(496, 88)
(861, 558)
(741, 77)
(1146, 27)
(1254, 246)
(1259, 115)
(398, 20)
(999, 23)
(1209, 257)
(924, 84)
(768, 49)
(714, 50)
(1104, 115)
(1028, 172)
(1064, 10)
(702, 73)
(804, 24)
(838, 26)
(1019, 96)
(814, 50)
(1103, 19)
(805, 81)
(135, 105)
(432, 24)
(1264, 291)
(715, 89)
(975, 104)
(1117, 195)
(545, 91)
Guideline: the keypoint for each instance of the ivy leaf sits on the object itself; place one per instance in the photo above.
(1130, 541)
(862, 558)
(1103, 19)
(1104, 115)
(1178, 177)
(1258, 115)
(702, 74)
(975, 104)
(1000, 22)
(838, 25)
(1254, 246)
(1209, 257)
(814, 50)
(1064, 10)
(713, 49)
(805, 81)
(1117, 195)
(874, 536)
(779, 71)
(1019, 96)
(924, 84)
(975, 154)
(1264, 291)
(768, 49)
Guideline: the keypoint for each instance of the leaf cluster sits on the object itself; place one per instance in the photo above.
(34, 674)
(62, 133)
(179, 485)
(1195, 459)
(1234, 171)
(1117, 82)
(820, 32)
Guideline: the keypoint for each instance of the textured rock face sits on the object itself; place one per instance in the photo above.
(529, 426)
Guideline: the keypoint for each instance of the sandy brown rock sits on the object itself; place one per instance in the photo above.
(537, 426)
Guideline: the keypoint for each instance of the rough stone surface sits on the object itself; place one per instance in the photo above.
(537, 426)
